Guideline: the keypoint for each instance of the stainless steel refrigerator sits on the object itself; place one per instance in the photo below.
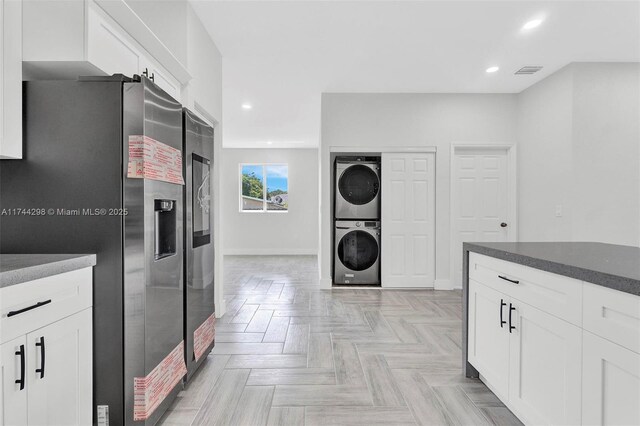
(199, 318)
(77, 165)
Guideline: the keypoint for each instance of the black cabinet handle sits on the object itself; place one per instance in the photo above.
(511, 309)
(502, 305)
(507, 279)
(20, 381)
(42, 356)
(28, 308)
(153, 77)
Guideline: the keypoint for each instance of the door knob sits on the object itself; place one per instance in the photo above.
(503, 225)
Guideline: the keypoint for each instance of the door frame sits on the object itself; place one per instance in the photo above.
(512, 203)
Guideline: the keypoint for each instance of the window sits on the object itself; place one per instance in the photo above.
(264, 187)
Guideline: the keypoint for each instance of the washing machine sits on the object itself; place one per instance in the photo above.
(357, 253)
(357, 188)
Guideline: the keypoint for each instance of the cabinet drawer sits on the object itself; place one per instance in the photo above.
(59, 296)
(613, 315)
(555, 294)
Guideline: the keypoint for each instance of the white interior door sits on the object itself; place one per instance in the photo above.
(482, 207)
(408, 220)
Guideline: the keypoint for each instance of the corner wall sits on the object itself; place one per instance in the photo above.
(579, 149)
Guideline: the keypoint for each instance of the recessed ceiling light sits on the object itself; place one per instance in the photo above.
(269, 143)
(247, 106)
(493, 69)
(532, 24)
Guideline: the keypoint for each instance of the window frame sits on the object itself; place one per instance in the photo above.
(264, 187)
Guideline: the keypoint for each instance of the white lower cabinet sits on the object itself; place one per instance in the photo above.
(47, 374)
(571, 352)
(544, 367)
(488, 341)
(59, 370)
(529, 358)
(46, 344)
(610, 383)
(13, 394)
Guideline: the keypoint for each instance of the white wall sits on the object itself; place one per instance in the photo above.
(545, 113)
(579, 147)
(405, 120)
(294, 232)
(606, 153)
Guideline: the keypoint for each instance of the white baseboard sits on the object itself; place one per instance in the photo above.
(442, 284)
(270, 252)
(325, 283)
(221, 308)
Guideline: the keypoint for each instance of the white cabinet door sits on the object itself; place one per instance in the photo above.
(610, 383)
(109, 48)
(164, 80)
(11, 79)
(488, 343)
(408, 220)
(62, 393)
(544, 368)
(13, 390)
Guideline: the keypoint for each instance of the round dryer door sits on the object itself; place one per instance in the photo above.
(358, 250)
(359, 184)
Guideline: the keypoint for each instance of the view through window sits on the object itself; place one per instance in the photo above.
(265, 187)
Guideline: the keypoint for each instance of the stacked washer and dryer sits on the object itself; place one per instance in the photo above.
(357, 221)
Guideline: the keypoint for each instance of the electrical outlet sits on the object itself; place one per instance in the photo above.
(559, 210)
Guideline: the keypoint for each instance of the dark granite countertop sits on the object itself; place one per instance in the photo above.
(608, 265)
(19, 268)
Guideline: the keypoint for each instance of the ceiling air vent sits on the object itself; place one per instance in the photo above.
(529, 69)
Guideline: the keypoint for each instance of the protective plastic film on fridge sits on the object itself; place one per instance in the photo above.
(104, 156)
(199, 317)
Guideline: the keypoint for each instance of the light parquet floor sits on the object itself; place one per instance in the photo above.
(288, 353)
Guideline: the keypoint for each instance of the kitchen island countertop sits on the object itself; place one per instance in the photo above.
(19, 268)
(608, 265)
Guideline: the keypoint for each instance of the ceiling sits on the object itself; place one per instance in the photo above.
(279, 56)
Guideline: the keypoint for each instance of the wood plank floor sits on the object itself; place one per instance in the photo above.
(288, 353)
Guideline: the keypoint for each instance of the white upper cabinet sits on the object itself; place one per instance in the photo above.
(10, 79)
(65, 39)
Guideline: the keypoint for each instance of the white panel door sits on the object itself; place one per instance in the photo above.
(544, 367)
(13, 388)
(479, 201)
(62, 393)
(408, 220)
(610, 383)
